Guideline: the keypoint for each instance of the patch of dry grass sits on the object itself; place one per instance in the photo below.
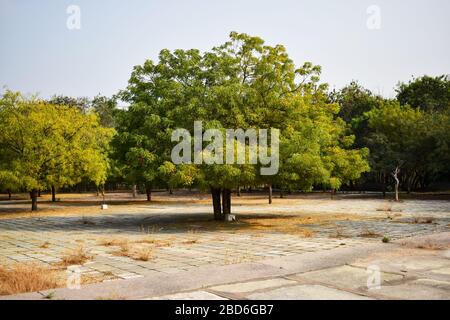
(236, 258)
(27, 277)
(45, 245)
(191, 241)
(136, 253)
(108, 242)
(423, 220)
(367, 233)
(156, 242)
(339, 233)
(143, 254)
(427, 244)
(75, 256)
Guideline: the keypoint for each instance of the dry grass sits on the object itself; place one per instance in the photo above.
(232, 258)
(191, 241)
(423, 220)
(366, 233)
(45, 245)
(157, 243)
(143, 254)
(111, 297)
(76, 256)
(124, 248)
(339, 233)
(21, 277)
(427, 244)
(109, 242)
(135, 253)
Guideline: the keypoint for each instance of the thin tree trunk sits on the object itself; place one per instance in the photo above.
(270, 193)
(238, 191)
(281, 194)
(34, 196)
(39, 193)
(9, 194)
(215, 192)
(134, 191)
(53, 194)
(148, 190)
(397, 181)
(170, 191)
(226, 201)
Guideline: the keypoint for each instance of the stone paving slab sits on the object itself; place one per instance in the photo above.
(346, 277)
(306, 292)
(421, 289)
(193, 295)
(253, 285)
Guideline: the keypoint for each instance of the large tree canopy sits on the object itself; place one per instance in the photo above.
(241, 84)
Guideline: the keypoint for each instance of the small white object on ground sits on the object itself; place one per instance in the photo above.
(104, 206)
(230, 217)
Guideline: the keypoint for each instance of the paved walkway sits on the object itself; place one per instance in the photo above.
(178, 238)
(341, 273)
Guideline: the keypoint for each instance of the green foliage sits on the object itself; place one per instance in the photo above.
(426, 93)
(45, 145)
(240, 84)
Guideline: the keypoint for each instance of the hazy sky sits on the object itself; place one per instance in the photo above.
(38, 53)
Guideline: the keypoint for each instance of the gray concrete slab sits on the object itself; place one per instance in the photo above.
(193, 295)
(306, 292)
(421, 289)
(242, 287)
(347, 277)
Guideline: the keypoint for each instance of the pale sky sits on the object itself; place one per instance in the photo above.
(39, 54)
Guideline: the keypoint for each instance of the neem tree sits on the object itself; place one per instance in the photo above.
(240, 84)
(47, 146)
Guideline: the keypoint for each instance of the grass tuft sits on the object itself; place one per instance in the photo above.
(27, 277)
(76, 256)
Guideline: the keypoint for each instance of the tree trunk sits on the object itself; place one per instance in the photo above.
(39, 193)
(134, 191)
(226, 201)
(53, 194)
(238, 191)
(170, 191)
(148, 191)
(270, 193)
(34, 195)
(397, 181)
(9, 194)
(281, 194)
(215, 192)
